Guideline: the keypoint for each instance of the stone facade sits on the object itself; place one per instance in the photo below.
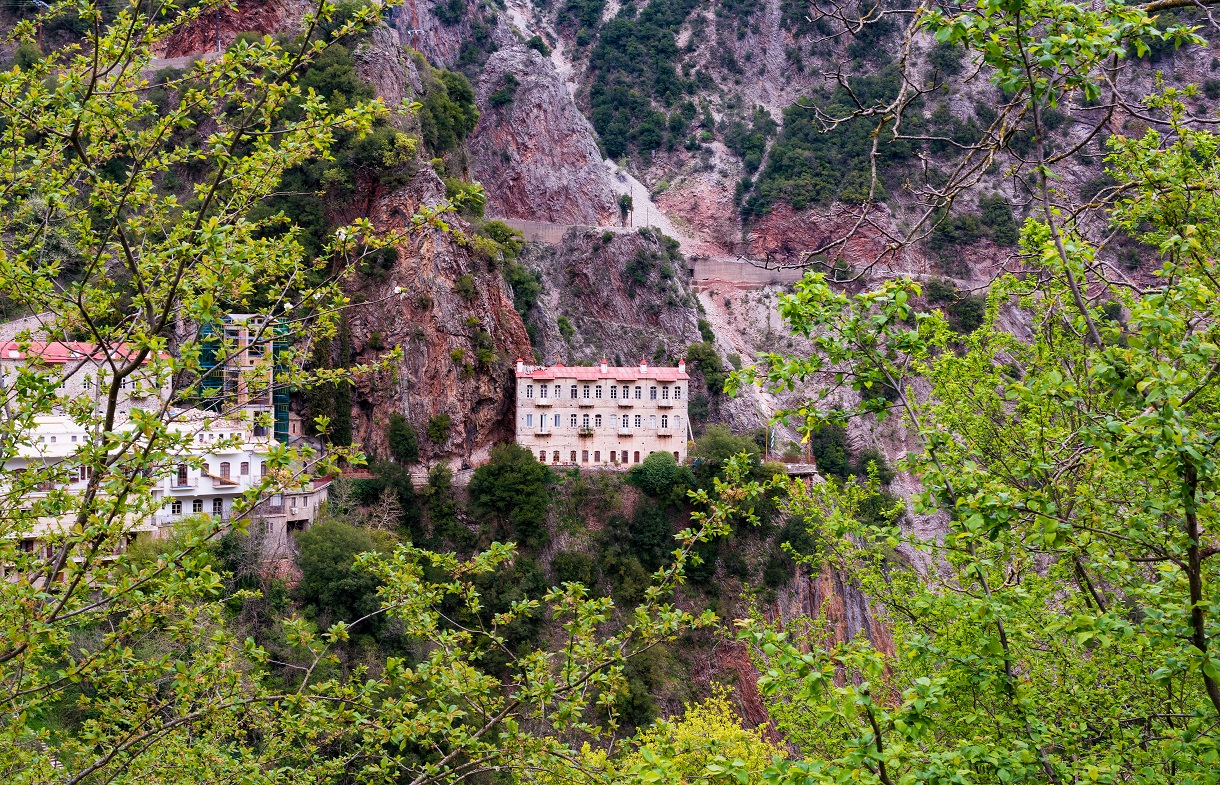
(612, 417)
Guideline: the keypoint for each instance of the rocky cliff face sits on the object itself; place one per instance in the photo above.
(533, 150)
(451, 314)
(618, 295)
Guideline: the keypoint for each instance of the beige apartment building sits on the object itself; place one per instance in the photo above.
(602, 415)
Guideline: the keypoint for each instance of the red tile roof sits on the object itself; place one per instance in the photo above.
(60, 352)
(594, 373)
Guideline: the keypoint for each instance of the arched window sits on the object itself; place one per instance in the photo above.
(224, 469)
(652, 393)
(664, 420)
(613, 392)
(665, 393)
(572, 419)
(573, 456)
(652, 421)
(597, 456)
(573, 392)
(542, 455)
(182, 474)
(584, 393)
(218, 507)
(677, 392)
(197, 506)
(245, 468)
(262, 470)
(597, 421)
(639, 421)
(584, 456)
(677, 422)
(637, 456)
(542, 391)
(676, 458)
(598, 392)
(584, 421)
(529, 391)
(558, 390)
(639, 393)
(555, 457)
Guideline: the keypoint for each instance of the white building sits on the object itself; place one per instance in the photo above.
(602, 415)
(221, 461)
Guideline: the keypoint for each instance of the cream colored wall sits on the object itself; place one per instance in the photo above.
(596, 449)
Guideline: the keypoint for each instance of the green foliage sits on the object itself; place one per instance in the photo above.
(504, 95)
(565, 327)
(1211, 89)
(466, 287)
(402, 440)
(536, 43)
(633, 65)
(946, 59)
(809, 166)
(450, 12)
(704, 358)
(448, 113)
(331, 587)
(439, 426)
(828, 445)
(750, 143)
(705, 331)
(512, 490)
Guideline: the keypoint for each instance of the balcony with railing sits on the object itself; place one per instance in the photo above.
(665, 403)
(542, 429)
(665, 432)
(625, 431)
(183, 483)
(587, 403)
(542, 403)
(584, 432)
(625, 403)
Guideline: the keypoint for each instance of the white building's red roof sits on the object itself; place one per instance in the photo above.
(594, 373)
(60, 352)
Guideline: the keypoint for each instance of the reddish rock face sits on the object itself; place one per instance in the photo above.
(263, 16)
(459, 341)
(535, 154)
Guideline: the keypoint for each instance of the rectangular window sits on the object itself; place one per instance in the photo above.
(218, 507)
(557, 420)
(584, 456)
(597, 456)
(529, 421)
(639, 393)
(652, 393)
(558, 389)
(197, 506)
(245, 468)
(529, 391)
(262, 470)
(584, 421)
(542, 391)
(665, 393)
(597, 421)
(626, 422)
(677, 393)
(175, 507)
(598, 392)
(613, 392)
(573, 420)
(639, 421)
(224, 469)
(584, 393)
(652, 421)
(573, 392)
(664, 421)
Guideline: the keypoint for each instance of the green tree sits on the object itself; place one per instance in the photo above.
(129, 669)
(512, 489)
(330, 586)
(401, 437)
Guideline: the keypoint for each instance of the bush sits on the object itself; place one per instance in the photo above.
(538, 45)
(885, 473)
(565, 327)
(330, 586)
(828, 445)
(438, 429)
(967, 314)
(512, 489)
(574, 567)
(465, 287)
(704, 358)
(448, 113)
(716, 446)
(779, 569)
(402, 439)
(1211, 88)
(656, 475)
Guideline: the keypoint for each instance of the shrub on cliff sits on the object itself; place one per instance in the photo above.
(511, 491)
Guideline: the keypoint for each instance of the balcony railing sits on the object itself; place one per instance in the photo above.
(665, 403)
(624, 403)
(664, 432)
(584, 432)
(542, 402)
(176, 483)
(587, 403)
(625, 431)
